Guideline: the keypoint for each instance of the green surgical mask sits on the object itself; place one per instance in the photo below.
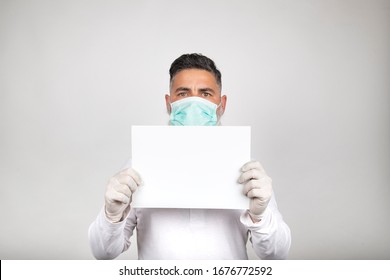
(193, 111)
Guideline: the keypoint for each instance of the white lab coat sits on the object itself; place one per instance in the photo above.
(192, 234)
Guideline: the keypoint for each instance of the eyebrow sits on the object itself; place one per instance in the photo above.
(182, 89)
(201, 89)
(206, 89)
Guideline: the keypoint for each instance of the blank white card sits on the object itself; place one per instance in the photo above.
(190, 166)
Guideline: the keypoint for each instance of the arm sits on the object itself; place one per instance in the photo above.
(109, 234)
(107, 239)
(271, 237)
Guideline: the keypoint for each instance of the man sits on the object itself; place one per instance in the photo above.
(195, 99)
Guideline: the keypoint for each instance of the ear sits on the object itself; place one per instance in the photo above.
(168, 103)
(223, 103)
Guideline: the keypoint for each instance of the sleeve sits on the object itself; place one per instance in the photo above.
(271, 237)
(108, 240)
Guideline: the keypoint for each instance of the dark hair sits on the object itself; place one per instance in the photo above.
(195, 61)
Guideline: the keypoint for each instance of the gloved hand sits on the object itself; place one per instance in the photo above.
(119, 192)
(258, 187)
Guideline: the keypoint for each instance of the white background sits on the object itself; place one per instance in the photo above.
(310, 77)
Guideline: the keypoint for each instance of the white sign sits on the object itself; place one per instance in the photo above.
(190, 166)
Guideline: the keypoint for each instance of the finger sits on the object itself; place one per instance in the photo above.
(123, 178)
(115, 196)
(261, 194)
(252, 184)
(133, 174)
(251, 174)
(252, 165)
(124, 189)
(126, 180)
(262, 183)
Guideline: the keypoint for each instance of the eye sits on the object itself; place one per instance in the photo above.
(182, 93)
(206, 94)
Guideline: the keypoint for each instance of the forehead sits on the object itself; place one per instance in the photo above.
(194, 76)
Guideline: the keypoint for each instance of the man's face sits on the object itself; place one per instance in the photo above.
(195, 82)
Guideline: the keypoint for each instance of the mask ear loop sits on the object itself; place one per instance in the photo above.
(219, 113)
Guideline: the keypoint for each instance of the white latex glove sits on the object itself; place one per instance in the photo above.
(119, 192)
(258, 187)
